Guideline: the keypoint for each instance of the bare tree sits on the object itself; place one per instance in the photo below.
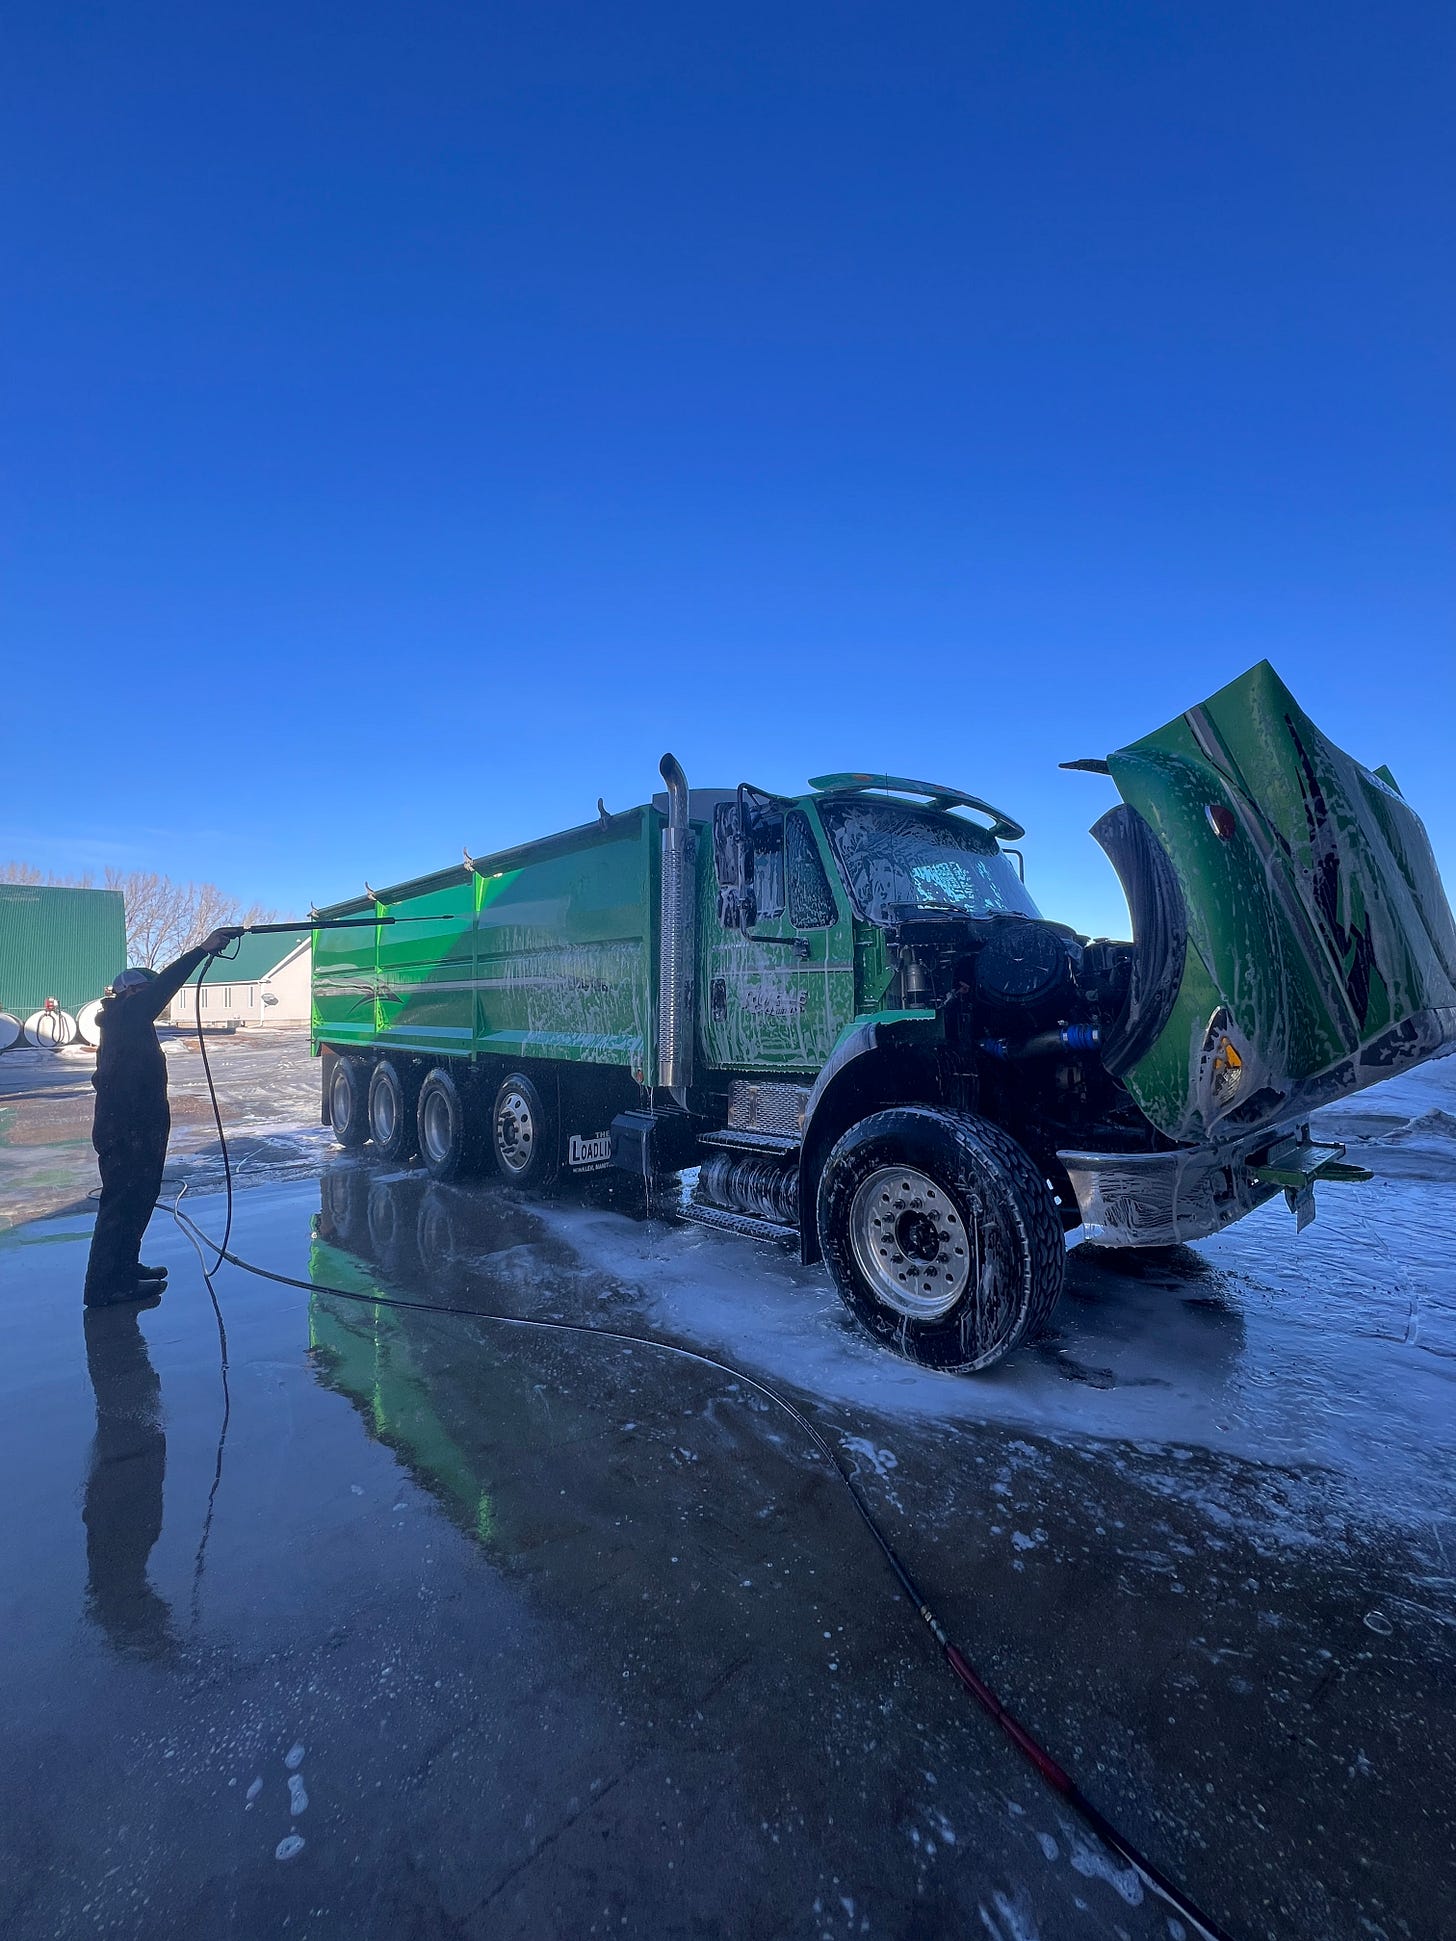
(28, 873)
(163, 917)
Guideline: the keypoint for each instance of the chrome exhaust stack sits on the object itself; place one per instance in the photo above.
(676, 963)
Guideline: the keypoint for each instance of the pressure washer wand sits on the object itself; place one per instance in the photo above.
(336, 923)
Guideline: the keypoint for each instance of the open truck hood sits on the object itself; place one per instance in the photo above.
(1292, 897)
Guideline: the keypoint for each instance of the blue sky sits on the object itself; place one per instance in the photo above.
(418, 418)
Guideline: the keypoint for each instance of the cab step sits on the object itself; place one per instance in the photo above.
(743, 1224)
(740, 1139)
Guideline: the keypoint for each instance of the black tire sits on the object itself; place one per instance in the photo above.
(349, 1101)
(443, 1126)
(524, 1138)
(960, 1260)
(391, 1112)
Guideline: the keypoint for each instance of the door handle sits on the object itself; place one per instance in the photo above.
(799, 945)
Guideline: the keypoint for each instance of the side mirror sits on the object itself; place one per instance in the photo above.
(733, 864)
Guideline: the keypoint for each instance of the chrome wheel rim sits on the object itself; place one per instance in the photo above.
(910, 1242)
(435, 1127)
(515, 1131)
(383, 1114)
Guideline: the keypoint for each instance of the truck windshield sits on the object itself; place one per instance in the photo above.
(893, 856)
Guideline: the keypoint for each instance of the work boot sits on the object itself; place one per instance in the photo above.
(141, 1289)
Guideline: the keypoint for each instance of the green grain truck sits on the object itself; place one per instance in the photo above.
(846, 1011)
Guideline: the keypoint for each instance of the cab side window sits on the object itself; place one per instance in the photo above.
(811, 901)
(768, 865)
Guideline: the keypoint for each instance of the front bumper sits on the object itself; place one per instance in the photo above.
(1160, 1199)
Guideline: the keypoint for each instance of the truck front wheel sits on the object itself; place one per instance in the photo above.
(440, 1121)
(942, 1236)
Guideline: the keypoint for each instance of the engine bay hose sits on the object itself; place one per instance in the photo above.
(1042, 1044)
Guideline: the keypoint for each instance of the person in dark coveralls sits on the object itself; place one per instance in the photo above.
(132, 1123)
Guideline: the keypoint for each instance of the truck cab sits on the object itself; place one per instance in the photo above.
(875, 980)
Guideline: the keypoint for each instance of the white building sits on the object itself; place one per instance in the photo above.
(268, 982)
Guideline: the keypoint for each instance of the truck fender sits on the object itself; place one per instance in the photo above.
(883, 1060)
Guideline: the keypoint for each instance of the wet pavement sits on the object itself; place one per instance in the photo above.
(266, 1082)
(465, 1629)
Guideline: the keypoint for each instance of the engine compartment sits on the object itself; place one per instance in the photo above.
(1027, 1005)
(1015, 975)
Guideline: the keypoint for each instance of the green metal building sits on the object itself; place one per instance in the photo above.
(58, 942)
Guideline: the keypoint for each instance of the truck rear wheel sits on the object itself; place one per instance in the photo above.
(523, 1141)
(942, 1236)
(444, 1137)
(391, 1112)
(349, 1101)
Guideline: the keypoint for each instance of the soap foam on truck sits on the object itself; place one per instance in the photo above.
(846, 1010)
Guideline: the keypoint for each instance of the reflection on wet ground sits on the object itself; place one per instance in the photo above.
(123, 1503)
(507, 1633)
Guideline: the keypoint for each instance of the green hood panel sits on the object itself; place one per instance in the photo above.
(1321, 952)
